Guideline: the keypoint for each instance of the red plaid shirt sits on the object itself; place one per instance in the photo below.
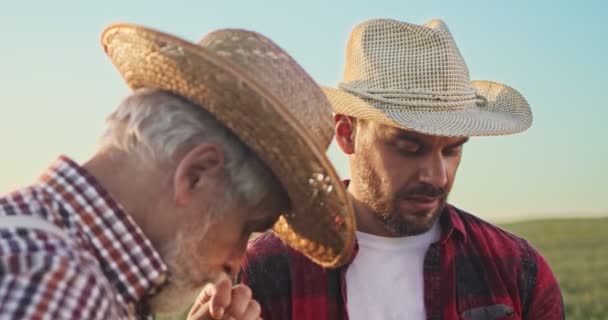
(102, 269)
(475, 271)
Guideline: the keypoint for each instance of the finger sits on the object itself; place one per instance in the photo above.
(201, 307)
(252, 312)
(211, 302)
(241, 297)
(221, 298)
(201, 313)
(201, 303)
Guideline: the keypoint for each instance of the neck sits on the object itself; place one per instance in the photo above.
(366, 217)
(131, 183)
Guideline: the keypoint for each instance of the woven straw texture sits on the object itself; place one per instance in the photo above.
(414, 77)
(259, 92)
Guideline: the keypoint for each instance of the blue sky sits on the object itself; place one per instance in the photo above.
(57, 85)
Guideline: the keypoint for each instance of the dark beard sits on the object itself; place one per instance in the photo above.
(401, 228)
(385, 210)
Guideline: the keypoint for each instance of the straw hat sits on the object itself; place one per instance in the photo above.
(414, 77)
(260, 93)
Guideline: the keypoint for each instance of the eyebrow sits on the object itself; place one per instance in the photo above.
(459, 143)
(405, 136)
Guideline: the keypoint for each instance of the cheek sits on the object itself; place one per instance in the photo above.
(224, 240)
(198, 250)
(451, 168)
(184, 259)
(241, 245)
(201, 245)
(398, 172)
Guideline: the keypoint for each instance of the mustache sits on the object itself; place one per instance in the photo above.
(424, 190)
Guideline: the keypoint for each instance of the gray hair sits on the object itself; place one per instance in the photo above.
(160, 125)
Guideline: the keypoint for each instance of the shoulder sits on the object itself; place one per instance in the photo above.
(266, 269)
(512, 259)
(40, 272)
(496, 240)
(266, 255)
(266, 245)
(31, 251)
(25, 200)
(268, 251)
(39, 230)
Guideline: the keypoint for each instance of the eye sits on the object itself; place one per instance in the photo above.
(452, 151)
(406, 146)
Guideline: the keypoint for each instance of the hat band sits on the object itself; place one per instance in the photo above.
(418, 98)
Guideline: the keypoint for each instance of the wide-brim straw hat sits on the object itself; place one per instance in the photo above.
(260, 93)
(414, 77)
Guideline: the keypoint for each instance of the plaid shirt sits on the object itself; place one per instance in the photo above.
(475, 271)
(103, 270)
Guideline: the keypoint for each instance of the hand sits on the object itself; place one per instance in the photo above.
(222, 301)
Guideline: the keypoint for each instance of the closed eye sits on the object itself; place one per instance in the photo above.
(407, 146)
(455, 149)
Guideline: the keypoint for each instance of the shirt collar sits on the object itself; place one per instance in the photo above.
(451, 224)
(127, 257)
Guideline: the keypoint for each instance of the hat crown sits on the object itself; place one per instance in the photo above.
(414, 77)
(393, 55)
(269, 65)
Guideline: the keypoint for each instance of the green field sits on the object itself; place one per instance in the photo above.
(577, 250)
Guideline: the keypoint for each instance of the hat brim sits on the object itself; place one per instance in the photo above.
(506, 112)
(320, 222)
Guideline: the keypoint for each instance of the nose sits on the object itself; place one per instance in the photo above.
(232, 265)
(433, 170)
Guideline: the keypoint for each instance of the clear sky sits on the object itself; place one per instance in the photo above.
(57, 86)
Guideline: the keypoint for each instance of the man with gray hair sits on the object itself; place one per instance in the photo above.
(190, 165)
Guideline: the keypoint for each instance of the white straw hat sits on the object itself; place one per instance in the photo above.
(414, 77)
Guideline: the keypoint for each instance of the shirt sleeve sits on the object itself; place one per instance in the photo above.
(46, 286)
(546, 300)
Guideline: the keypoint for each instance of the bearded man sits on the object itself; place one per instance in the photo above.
(404, 111)
(219, 139)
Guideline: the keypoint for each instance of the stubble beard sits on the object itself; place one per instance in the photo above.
(386, 210)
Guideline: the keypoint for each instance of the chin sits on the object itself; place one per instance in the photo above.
(187, 277)
(425, 221)
(422, 226)
(414, 223)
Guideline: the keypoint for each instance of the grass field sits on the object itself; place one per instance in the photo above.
(577, 250)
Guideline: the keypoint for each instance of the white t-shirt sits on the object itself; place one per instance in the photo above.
(385, 281)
